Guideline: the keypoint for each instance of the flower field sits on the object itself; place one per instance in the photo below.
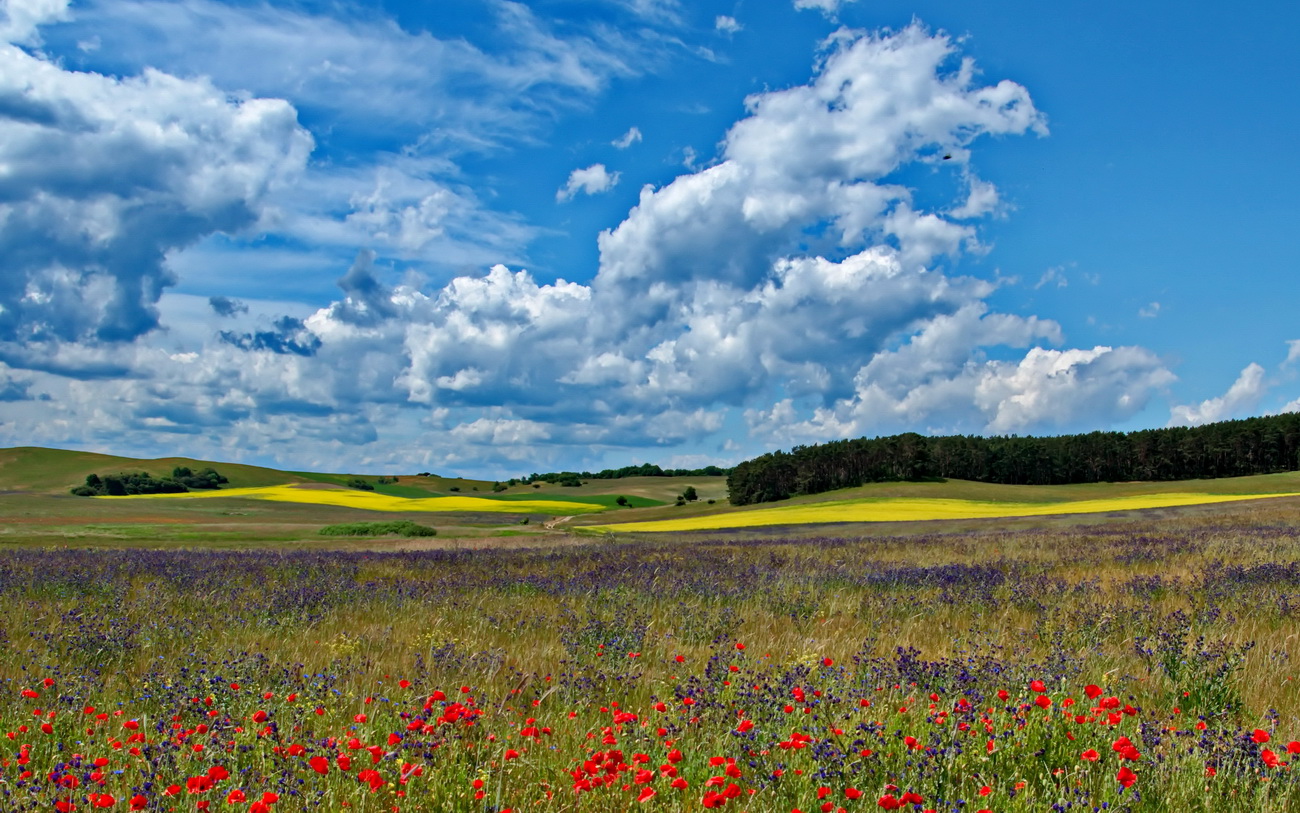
(903, 509)
(1131, 665)
(372, 501)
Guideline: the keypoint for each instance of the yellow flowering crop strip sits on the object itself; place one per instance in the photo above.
(906, 510)
(372, 501)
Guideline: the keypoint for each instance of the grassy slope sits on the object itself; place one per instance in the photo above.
(968, 490)
(37, 509)
(54, 471)
(41, 475)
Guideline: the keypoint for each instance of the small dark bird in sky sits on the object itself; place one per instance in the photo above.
(948, 157)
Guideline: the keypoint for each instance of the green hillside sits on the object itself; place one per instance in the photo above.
(54, 471)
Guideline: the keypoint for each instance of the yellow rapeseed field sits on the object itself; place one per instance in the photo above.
(900, 509)
(372, 501)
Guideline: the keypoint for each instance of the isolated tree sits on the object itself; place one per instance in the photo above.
(622, 502)
(689, 494)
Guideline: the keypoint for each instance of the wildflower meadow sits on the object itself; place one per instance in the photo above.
(1123, 663)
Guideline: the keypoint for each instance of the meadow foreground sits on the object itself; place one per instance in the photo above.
(1126, 664)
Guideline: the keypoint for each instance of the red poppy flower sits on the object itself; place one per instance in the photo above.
(1126, 776)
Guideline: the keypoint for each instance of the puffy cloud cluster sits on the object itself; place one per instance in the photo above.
(105, 176)
(813, 158)
(1244, 395)
(591, 180)
(21, 19)
(790, 278)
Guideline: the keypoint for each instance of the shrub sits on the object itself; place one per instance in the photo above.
(124, 484)
(358, 483)
(396, 527)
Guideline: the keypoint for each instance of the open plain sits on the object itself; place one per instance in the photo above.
(158, 654)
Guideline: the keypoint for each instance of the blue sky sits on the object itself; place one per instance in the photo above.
(496, 237)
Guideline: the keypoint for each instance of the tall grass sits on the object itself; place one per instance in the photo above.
(907, 662)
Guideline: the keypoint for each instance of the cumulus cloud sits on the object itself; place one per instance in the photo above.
(105, 176)
(981, 199)
(20, 19)
(1243, 396)
(725, 24)
(791, 278)
(592, 180)
(827, 7)
(1149, 311)
(632, 136)
(1292, 352)
(818, 154)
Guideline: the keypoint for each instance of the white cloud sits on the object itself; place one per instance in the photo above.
(981, 199)
(501, 432)
(725, 24)
(1149, 311)
(22, 18)
(1053, 276)
(105, 176)
(1046, 389)
(359, 71)
(592, 180)
(827, 7)
(632, 136)
(789, 278)
(1292, 352)
(1244, 394)
(1053, 388)
(818, 153)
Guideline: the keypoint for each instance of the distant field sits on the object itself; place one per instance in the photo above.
(373, 501)
(913, 509)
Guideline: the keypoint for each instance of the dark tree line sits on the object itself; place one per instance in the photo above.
(644, 470)
(1224, 449)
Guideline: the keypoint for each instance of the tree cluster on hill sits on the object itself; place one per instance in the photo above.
(575, 478)
(182, 479)
(1224, 449)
